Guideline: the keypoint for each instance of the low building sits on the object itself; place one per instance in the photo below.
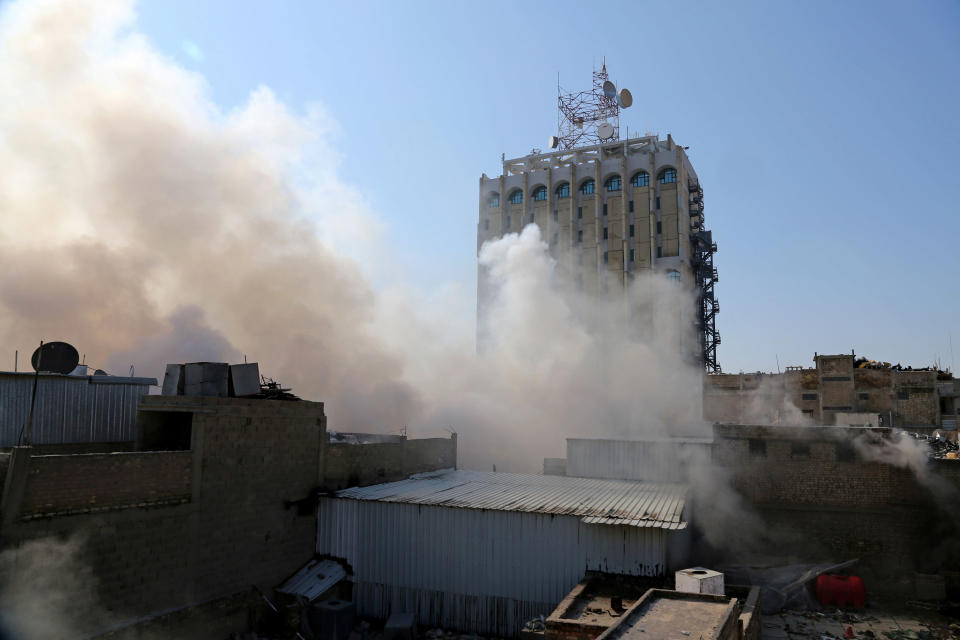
(485, 552)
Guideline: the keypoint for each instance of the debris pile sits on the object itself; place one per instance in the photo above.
(938, 446)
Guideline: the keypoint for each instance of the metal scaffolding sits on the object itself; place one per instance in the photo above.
(705, 275)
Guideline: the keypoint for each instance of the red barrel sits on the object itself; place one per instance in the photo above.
(841, 591)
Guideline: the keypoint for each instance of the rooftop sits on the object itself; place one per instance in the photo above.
(672, 615)
(613, 502)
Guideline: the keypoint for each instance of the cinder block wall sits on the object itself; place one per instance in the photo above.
(352, 465)
(249, 461)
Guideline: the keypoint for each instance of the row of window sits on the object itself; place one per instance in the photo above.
(486, 227)
(613, 183)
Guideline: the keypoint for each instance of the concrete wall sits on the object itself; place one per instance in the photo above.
(821, 499)
(249, 518)
(352, 465)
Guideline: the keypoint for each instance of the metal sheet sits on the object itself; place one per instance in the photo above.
(313, 580)
(173, 380)
(479, 570)
(607, 501)
(205, 379)
(652, 460)
(70, 409)
(245, 379)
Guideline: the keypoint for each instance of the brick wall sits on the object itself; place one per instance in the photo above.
(90, 482)
(251, 519)
(350, 465)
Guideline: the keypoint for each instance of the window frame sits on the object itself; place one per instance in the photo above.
(589, 187)
(613, 183)
(667, 175)
(640, 179)
(540, 194)
(563, 190)
(516, 196)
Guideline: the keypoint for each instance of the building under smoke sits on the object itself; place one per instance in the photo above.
(610, 210)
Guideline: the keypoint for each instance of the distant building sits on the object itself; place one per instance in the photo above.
(836, 385)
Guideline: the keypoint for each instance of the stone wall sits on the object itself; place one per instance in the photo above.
(352, 465)
(250, 518)
(821, 499)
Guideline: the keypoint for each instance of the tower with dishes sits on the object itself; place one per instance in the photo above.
(612, 210)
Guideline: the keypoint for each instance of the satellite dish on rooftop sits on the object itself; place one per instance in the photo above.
(624, 98)
(56, 357)
(554, 142)
(100, 372)
(609, 89)
(605, 131)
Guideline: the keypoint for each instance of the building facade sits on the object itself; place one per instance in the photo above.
(836, 385)
(610, 213)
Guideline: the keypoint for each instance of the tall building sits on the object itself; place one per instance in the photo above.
(610, 211)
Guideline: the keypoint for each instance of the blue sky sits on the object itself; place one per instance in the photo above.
(824, 135)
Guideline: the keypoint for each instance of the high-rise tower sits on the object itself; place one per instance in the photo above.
(610, 211)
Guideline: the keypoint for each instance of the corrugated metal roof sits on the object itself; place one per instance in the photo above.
(618, 502)
(314, 579)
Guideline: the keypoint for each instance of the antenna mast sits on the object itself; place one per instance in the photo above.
(590, 117)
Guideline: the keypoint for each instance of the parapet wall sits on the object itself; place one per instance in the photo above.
(67, 484)
(352, 465)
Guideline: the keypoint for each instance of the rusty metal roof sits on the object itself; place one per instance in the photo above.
(595, 501)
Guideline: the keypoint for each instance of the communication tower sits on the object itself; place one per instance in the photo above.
(590, 117)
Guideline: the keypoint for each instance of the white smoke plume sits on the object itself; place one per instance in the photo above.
(145, 225)
(47, 591)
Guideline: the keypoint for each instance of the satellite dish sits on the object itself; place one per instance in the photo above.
(609, 89)
(624, 98)
(100, 372)
(56, 357)
(554, 142)
(605, 131)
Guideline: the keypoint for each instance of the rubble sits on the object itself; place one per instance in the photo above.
(939, 446)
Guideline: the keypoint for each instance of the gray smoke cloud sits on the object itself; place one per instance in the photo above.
(146, 225)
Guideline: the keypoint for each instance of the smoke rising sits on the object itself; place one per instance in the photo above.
(47, 591)
(146, 225)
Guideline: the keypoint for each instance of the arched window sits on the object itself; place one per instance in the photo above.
(640, 179)
(494, 200)
(614, 183)
(563, 191)
(540, 194)
(588, 187)
(516, 197)
(673, 275)
(667, 176)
